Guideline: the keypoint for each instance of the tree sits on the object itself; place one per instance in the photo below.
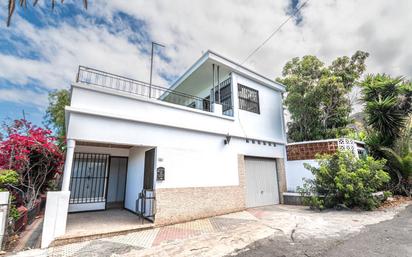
(23, 4)
(33, 153)
(317, 95)
(387, 103)
(55, 114)
(401, 164)
(400, 160)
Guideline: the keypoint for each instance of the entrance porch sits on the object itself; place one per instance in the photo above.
(98, 224)
(109, 176)
(110, 190)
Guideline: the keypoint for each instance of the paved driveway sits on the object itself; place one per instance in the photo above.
(230, 234)
(391, 238)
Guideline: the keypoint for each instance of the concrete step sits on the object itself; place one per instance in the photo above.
(63, 240)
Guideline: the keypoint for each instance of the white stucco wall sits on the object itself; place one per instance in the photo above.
(4, 209)
(269, 123)
(135, 171)
(190, 158)
(107, 102)
(55, 216)
(190, 143)
(102, 150)
(295, 172)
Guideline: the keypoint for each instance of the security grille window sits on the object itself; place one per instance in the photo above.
(225, 96)
(248, 99)
(206, 103)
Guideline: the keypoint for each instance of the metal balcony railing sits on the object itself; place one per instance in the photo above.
(108, 80)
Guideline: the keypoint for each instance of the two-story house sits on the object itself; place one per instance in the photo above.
(211, 143)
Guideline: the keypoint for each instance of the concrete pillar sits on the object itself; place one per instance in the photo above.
(68, 164)
(281, 172)
(217, 108)
(4, 205)
(55, 216)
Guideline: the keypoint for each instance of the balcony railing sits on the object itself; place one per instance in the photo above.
(108, 80)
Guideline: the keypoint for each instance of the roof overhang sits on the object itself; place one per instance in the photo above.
(232, 66)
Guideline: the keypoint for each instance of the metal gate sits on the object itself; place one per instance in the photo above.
(88, 185)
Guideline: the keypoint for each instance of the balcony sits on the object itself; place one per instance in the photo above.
(96, 77)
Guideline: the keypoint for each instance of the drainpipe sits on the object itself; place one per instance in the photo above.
(68, 164)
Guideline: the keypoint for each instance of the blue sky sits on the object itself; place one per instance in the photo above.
(42, 49)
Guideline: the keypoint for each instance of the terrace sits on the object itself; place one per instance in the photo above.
(104, 79)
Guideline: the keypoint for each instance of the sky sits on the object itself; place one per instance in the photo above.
(42, 49)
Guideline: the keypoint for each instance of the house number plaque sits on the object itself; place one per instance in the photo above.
(160, 174)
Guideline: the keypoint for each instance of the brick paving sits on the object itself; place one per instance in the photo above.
(223, 235)
(154, 237)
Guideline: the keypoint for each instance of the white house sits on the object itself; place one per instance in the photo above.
(211, 143)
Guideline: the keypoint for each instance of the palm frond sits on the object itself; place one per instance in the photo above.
(12, 6)
(392, 156)
(385, 116)
(23, 3)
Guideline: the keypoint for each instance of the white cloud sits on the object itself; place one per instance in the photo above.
(23, 97)
(233, 28)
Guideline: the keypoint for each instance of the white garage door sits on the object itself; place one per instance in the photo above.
(261, 182)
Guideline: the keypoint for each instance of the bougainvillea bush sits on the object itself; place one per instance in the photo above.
(343, 180)
(32, 152)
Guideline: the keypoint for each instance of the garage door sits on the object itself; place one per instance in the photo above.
(261, 182)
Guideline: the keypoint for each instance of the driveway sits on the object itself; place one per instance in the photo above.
(279, 230)
(386, 239)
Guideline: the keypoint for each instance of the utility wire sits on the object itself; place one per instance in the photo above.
(275, 31)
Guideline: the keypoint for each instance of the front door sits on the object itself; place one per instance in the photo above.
(147, 206)
(149, 162)
(117, 182)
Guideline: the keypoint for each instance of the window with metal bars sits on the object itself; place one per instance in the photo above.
(225, 97)
(248, 99)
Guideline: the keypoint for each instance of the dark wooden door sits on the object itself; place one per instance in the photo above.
(149, 159)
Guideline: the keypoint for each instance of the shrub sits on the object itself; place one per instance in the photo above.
(343, 180)
(33, 153)
(8, 178)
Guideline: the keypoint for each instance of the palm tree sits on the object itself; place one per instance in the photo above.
(402, 166)
(400, 160)
(386, 105)
(23, 4)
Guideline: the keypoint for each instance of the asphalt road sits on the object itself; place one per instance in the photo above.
(392, 238)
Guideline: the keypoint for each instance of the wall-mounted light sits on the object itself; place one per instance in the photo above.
(227, 140)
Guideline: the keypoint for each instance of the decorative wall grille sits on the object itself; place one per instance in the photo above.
(348, 145)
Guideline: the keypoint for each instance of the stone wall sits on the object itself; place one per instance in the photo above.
(308, 151)
(184, 204)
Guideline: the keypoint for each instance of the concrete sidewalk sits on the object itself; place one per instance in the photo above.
(226, 234)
